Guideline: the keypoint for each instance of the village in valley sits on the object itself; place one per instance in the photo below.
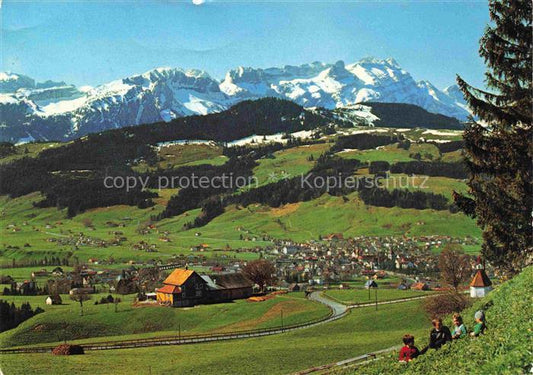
(333, 263)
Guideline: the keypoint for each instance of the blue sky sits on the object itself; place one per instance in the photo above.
(88, 43)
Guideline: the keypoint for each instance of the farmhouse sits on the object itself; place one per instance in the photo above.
(182, 288)
(39, 273)
(185, 287)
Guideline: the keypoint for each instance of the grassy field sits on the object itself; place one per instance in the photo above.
(101, 322)
(288, 163)
(22, 225)
(27, 233)
(362, 331)
(393, 154)
(327, 214)
(359, 296)
(434, 184)
(179, 155)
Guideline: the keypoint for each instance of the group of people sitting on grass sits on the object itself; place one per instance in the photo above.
(440, 335)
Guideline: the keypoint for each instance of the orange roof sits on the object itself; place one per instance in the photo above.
(169, 289)
(481, 279)
(178, 277)
(419, 286)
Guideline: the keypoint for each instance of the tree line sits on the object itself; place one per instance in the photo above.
(365, 141)
(456, 170)
(11, 316)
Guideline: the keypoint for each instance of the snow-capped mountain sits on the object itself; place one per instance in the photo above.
(10, 82)
(55, 110)
(339, 85)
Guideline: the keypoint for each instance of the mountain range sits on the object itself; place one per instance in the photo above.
(59, 111)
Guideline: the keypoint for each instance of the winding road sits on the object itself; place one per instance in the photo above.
(338, 309)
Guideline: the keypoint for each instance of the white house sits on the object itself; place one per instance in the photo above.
(480, 285)
(289, 250)
(53, 300)
(370, 284)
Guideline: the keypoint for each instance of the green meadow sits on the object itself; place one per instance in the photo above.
(361, 296)
(179, 155)
(364, 330)
(435, 184)
(101, 322)
(393, 153)
(288, 163)
(28, 233)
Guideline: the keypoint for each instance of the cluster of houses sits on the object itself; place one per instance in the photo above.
(298, 266)
(341, 259)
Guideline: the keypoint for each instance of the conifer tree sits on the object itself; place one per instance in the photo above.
(498, 143)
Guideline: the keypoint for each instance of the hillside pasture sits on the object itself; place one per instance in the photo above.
(288, 163)
(434, 184)
(505, 348)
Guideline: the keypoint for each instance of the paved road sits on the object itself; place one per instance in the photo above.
(390, 302)
(338, 308)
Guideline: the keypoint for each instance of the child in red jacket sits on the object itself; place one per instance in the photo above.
(409, 351)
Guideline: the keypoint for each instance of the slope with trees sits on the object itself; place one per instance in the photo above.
(499, 146)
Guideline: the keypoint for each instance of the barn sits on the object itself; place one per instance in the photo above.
(232, 286)
(185, 287)
(182, 288)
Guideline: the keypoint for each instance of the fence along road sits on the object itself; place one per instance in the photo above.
(337, 311)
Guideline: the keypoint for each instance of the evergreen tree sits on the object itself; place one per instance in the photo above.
(498, 146)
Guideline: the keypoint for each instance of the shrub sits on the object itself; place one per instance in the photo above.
(445, 304)
(67, 349)
(87, 222)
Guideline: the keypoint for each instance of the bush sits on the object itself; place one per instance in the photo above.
(87, 222)
(444, 304)
(67, 349)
